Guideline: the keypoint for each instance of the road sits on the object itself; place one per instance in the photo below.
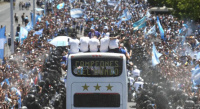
(5, 18)
(133, 104)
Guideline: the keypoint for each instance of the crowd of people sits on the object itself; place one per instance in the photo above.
(30, 76)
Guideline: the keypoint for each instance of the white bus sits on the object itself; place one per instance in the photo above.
(96, 81)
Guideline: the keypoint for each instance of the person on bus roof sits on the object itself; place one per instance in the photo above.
(94, 44)
(73, 44)
(104, 43)
(124, 51)
(93, 33)
(84, 44)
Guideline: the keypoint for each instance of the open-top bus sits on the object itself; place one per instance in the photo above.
(96, 81)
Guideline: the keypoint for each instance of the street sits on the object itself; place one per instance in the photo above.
(5, 19)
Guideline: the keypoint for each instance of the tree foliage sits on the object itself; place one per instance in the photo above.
(184, 9)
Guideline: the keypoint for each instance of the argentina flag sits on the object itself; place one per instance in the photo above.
(112, 2)
(126, 15)
(2, 41)
(23, 34)
(98, 1)
(155, 56)
(29, 26)
(39, 9)
(60, 6)
(76, 13)
(152, 31)
(139, 24)
(71, 1)
(160, 29)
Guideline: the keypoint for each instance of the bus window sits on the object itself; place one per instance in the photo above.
(98, 67)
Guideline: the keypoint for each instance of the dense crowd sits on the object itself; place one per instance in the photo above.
(31, 76)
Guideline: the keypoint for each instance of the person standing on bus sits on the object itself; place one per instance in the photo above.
(104, 43)
(105, 33)
(73, 44)
(93, 33)
(84, 44)
(94, 44)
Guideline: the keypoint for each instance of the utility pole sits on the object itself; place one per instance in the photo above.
(33, 13)
(11, 27)
(45, 7)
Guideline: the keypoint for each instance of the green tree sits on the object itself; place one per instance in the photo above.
(185, 8)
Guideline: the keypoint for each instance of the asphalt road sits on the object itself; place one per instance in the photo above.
(5, 18)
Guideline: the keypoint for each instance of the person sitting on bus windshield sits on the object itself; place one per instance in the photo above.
(94, 44)
(73, 44)
(124, 51)
(84, 43)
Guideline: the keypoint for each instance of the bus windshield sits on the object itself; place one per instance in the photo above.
(96, 66)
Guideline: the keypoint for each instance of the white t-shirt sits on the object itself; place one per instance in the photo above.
(93, 42)
(131, 80)
(104, 43)
(136, 72)
(84, 44)
(137, 84)
(114, 44)
(74, 46)
(107, 34)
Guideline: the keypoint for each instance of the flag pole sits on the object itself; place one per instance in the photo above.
(33, 13)
(11, 27)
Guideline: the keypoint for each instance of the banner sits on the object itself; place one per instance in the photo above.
(2, 42)
(155, 56)
(139, 24)
(112, 2)
(23, 34)
(76, 13)
(60, 6)
(160, 29)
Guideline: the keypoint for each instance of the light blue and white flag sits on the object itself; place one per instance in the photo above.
(71, 1)
(139, 24)
(7, 82)
(145, 33)
(152, 31)
(61, 5)
(22, 34)
(38, 32)
(127, 15)
(148, 13)
(39, 9)
(117, 5)
(118, 23)
(155, 56)
(196, 76)
(29, 26)
(112, 2)
(38, 18)
(17, 92)
(160, 29)
(98, 1)
(2, 42)
(76, 13)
